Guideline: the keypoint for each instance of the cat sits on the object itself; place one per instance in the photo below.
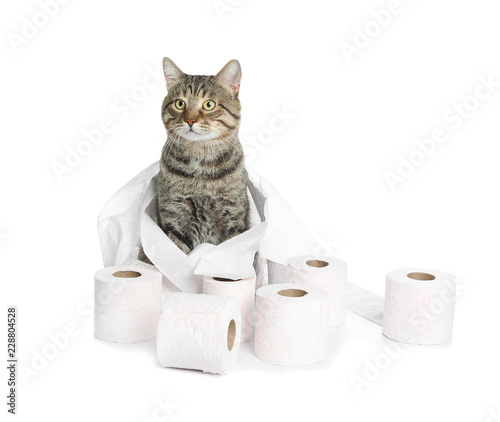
(202, 190)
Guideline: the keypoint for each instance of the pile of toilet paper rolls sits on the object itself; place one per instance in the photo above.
(293, 313)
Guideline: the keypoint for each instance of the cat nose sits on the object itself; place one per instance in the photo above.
(190, 122)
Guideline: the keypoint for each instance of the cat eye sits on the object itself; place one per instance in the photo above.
(209, 105)
(181, 105)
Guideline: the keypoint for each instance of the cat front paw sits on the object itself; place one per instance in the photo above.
(179, 243)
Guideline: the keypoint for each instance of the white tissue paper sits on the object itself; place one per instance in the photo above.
(127, 303)
(419, 306)
(129, 219)
(244, 292)
(198, 331)
(323, 272)
(291, 327)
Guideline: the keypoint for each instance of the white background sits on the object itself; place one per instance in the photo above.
(354, 116)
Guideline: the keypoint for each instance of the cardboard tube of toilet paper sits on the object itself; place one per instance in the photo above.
(127, 303)
(198, 331)
(291, 327)
(419, 306)
(244, 292)
(323, 272)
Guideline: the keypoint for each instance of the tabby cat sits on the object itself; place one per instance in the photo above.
(202, 191)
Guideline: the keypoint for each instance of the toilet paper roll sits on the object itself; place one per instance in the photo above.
(127, 303)
(198, 331)
(291, 326)
(325, 273)
(419, 306)
(244, 292)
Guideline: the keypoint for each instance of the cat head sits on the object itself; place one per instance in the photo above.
(202, 108)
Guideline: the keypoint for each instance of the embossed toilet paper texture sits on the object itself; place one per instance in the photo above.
(419, 311)
(193, 332)
(291, 331)
(127, 309)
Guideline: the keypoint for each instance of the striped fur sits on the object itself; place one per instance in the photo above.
(202, 191)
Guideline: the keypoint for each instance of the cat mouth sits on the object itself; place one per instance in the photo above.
(193, 135)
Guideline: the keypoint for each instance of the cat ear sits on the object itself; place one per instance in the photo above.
(230, 76)
(172, 73)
